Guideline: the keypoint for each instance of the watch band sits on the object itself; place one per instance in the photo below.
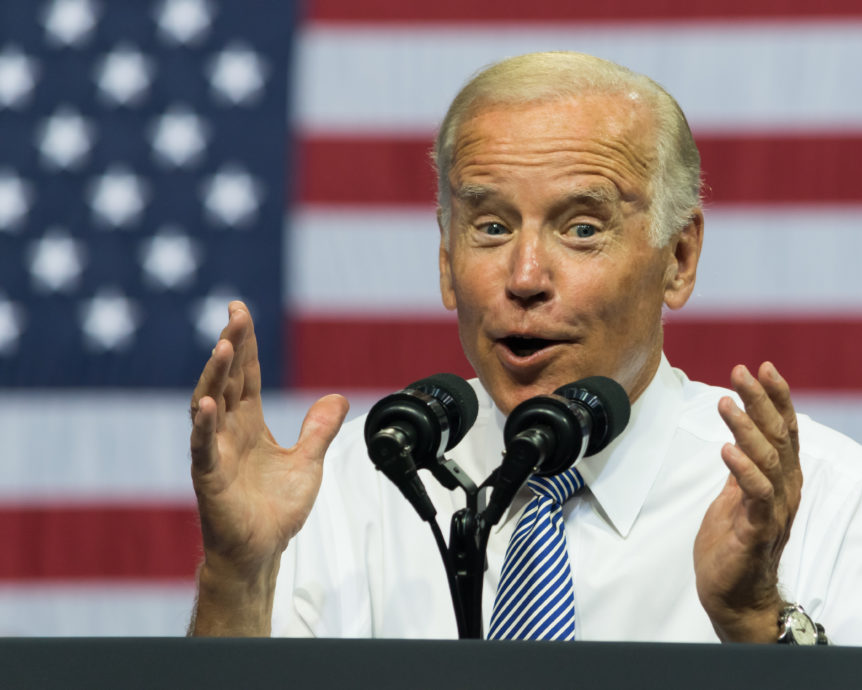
(821, 634)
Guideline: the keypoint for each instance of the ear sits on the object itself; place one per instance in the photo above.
(447, 289)
(682, 267)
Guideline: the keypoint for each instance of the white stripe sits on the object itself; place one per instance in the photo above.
(755, 259)
(787, 260)
(525, 553)
(561, 610)
(748, 75)
(841, 411)
(95, 609)
(74, 447)
(371, 260)
(78, 447)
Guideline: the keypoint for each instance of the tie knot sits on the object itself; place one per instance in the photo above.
(558, 487)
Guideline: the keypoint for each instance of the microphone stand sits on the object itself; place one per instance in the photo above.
(471, 526)
(557, 429)
(465, 556)
(467, 553)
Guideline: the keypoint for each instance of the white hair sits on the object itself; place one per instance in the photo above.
(537, 77)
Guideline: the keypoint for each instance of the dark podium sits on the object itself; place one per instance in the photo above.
(168, 663)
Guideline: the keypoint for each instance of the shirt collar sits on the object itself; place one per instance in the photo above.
(621, 475)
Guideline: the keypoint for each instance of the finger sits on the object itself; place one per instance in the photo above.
(247, 360)
(234, 330)
(238, 328)
(239, 320)
(779, 392)
(233, 334)
(244, 381)
(321, 424)
(753, 483)
(204, 448)
(761, 408)
(214, 377)
(751, 442)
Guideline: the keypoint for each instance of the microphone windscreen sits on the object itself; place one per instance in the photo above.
(458, 399)
(613, 403)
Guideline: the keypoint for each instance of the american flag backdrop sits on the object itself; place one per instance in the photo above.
(159, 157)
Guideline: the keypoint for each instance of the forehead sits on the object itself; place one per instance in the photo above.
(605, 136)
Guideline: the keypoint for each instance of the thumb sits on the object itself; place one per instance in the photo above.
(321, 424)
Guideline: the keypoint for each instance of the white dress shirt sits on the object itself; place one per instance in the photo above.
(365, 565)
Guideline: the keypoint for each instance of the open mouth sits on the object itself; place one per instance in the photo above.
(524, 347)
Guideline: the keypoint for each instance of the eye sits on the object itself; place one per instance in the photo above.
(584, 230)
(494, 229)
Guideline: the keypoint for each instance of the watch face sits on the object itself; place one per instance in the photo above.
(801, 628)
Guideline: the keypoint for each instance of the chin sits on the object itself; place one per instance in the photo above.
(508, 397)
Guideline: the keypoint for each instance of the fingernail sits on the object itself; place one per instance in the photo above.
(773, 373)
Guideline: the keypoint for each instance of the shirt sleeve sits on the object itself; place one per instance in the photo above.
(323, 587)
(825, 550)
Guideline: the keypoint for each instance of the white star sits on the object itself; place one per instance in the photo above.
(209, 314)
(124, 75)
(64, 139)
(56, 261)
(17, 78)
(117, 197)
(237, 75)
(184, 21)
(15, 197)
(11, 325)
(109, 321)
(70, 22)
(169, 259)
(232, 196)
(178, 137)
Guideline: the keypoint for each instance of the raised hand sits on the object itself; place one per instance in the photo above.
(253, 495)
(742, 537)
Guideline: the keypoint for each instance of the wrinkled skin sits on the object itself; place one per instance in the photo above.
(549, 266)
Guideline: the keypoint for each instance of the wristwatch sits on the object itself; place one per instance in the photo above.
(796, 627)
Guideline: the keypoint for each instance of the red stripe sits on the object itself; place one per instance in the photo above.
(387, 354)
(812, 354)
(98, 542)
(374, 352)
(741, 169)
(489, 11)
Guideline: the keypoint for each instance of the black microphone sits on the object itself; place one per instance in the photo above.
(547, 434)
(412, 429)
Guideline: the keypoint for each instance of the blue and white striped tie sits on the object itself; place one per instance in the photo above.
(536, 597)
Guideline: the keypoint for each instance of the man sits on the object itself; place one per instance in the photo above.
(569, 214)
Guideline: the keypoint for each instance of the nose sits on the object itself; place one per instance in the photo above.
(530, 276)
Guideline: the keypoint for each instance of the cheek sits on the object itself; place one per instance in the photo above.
(469, 302)
(635, 295)
(471, 281)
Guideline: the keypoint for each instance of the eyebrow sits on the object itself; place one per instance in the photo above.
(474, 194)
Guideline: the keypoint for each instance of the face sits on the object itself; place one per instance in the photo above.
(548, 261)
